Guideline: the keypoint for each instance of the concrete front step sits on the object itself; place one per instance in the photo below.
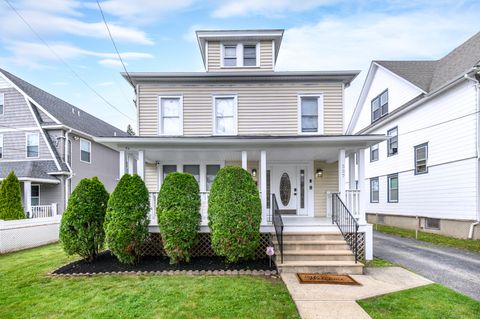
(310, 236)
(323, 267)
(314, 245)
(318, 255)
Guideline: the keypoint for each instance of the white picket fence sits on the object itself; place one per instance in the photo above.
(40, 211)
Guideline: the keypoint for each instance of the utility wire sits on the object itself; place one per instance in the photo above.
(64, 62)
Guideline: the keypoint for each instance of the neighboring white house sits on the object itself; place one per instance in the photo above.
(426, 175)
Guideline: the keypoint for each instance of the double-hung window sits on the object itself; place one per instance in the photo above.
(380, 106)
(230, 55)
(374, 190)
(239, 54)
(212, 171)
(392, 183)
(392, 143)
(171, 115)
(249, 55)
(310, 114)
(225, 115)
(374, 153)
(32, 145)
(193, 170)
(167, 169)
(2, 103)
(35, 195)
(85, 150)
(1, 146)
(421, 157)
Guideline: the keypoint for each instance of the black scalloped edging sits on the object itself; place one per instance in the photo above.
(176, 272)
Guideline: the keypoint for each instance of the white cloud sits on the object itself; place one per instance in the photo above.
(107, 83)
(111, 62)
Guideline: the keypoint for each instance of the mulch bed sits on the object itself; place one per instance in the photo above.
(107, 263)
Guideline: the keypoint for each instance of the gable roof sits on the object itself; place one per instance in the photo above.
(419, 73)
(64, 112)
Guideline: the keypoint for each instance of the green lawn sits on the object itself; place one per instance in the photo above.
(428, 302)
(471, 245)
(27, 292)
(378, 262)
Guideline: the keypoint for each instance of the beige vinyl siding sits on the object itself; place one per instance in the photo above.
(327, 183)
(214, 58)
(263, 108)
(151, 178)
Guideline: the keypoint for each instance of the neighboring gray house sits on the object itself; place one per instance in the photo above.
(34, 128)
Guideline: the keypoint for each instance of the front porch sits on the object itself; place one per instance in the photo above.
(40, 197)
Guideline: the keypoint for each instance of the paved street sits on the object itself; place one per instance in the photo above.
(454, 268)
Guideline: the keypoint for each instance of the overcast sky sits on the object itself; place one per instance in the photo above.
(158, 35)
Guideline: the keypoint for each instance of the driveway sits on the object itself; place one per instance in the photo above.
(454, 268)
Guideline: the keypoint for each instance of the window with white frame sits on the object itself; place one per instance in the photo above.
(212, 171)
(85, 150)
(35, 195)
(32, 145)
(249, 55)
(392, 143)
(239, 54)
(310, 114)
(421, 157)
(374, 190)
(2, 103)
(392, 183)
(225, 115)
(374, 153)
(167, 169)
(193, 170)
(171, 115)
(1, 146)
(230, 55)
(380, 106)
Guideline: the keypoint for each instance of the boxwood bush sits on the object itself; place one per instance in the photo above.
(178, 212)
(81, 230)
(234, 214)
(11, 198)
(126, 220)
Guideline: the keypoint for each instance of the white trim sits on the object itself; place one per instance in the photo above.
(160, 115)
(320, 111)
(89, 148)
(235, 114)
(239, 54)
(26, 144)
(137, 104)
(273, 55)
(2, 100)
(263, 185)
(2, 154)
(206, 56)
(25, 129)
(179, 164)
(31, 196)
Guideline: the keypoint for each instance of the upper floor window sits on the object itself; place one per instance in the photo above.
(380, 106)
(239, 55)
(85, 150)
(171, 115)
(225, 115)
(374, 153)
(249, 55)
(230, 55)
(310, 114)
(1, 145)
(392, 181)
(421, 157)
(392, 143)
(2, 103)
(32, 144)
(374, 190)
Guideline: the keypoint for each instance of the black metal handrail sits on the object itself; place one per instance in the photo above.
(278, 225)
(347, 224)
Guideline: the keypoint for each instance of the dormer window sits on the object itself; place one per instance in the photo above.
(249, 55)
(239, 55)
(230, 55)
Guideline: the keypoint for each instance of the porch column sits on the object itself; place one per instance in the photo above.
(244, 160)
(27, 196)
(141, 164)
(361, 186)
(341, 174)
(263, 184)
(130, 164)
(121, 158)
(351, 171)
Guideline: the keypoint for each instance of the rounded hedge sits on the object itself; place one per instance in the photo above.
(234, 214)
(81, 230)
(126, 220)
(11, 198)
(178, 212)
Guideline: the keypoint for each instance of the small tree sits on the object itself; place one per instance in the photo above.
(178, 212)
(81, 230)
(130, 130)
(234, 214)
(126, 221)
(11, 198)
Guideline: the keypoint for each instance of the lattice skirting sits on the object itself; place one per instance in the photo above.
(361, 244)
(153, 246)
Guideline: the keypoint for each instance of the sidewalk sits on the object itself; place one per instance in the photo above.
(339, 301)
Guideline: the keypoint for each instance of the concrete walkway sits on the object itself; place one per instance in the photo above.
(454, 268)
(339, 301)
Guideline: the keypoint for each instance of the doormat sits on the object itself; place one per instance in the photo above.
(313, 278)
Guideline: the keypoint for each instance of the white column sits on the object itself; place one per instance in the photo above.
(27, 196)
(351, 171)
(263, 184)
(141, 164)
(361, 186)
(341, 174)
(130, 164)
(244, 160)
(121, 164)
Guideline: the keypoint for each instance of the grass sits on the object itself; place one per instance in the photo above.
(28, 292)
(428, 302)
(378, 262)
(466, 244)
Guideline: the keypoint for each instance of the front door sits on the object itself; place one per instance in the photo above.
(285, 188)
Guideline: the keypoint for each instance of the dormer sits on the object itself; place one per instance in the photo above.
(239, 50)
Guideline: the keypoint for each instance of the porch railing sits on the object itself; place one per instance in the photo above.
(203, 208)
(153, 208)
(352, 201)
(347, 224)
(40, 211)
(278, 225)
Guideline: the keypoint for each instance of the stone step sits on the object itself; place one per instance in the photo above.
(313, 245)
(318, 255)
(323, 267)
(310, 236)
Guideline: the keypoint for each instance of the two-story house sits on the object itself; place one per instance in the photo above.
(285, 128)
(426, 175)
(50, 146)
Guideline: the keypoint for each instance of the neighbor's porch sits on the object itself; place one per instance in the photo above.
(40, 197)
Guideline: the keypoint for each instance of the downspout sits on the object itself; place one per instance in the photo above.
(66, 152)
(476, 82)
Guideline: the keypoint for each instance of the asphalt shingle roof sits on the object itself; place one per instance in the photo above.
(29, 169)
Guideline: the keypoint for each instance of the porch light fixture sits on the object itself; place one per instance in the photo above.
(254, 172)
(319, 173)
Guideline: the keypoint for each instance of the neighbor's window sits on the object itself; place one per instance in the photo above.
(310, 113)
(374, 190)
(85, 150)
(392, 143)
(229, 55)
(32, 144)
(167, 169)
(171, 114)
(193, 170)
(225, 115)
(249, 55)
(212, 171)
(2, 103)
(1, 146)
(380, 106)
(35, 195)
(374, 153)
(421, 157)
(393, 188)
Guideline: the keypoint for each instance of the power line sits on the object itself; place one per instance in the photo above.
(65, 63)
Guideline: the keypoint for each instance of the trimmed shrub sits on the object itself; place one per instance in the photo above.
(11, 198)
(234, 214)
(126, 221)
(81, 230)
(178, 212)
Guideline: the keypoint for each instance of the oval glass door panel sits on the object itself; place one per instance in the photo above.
(285, 189)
